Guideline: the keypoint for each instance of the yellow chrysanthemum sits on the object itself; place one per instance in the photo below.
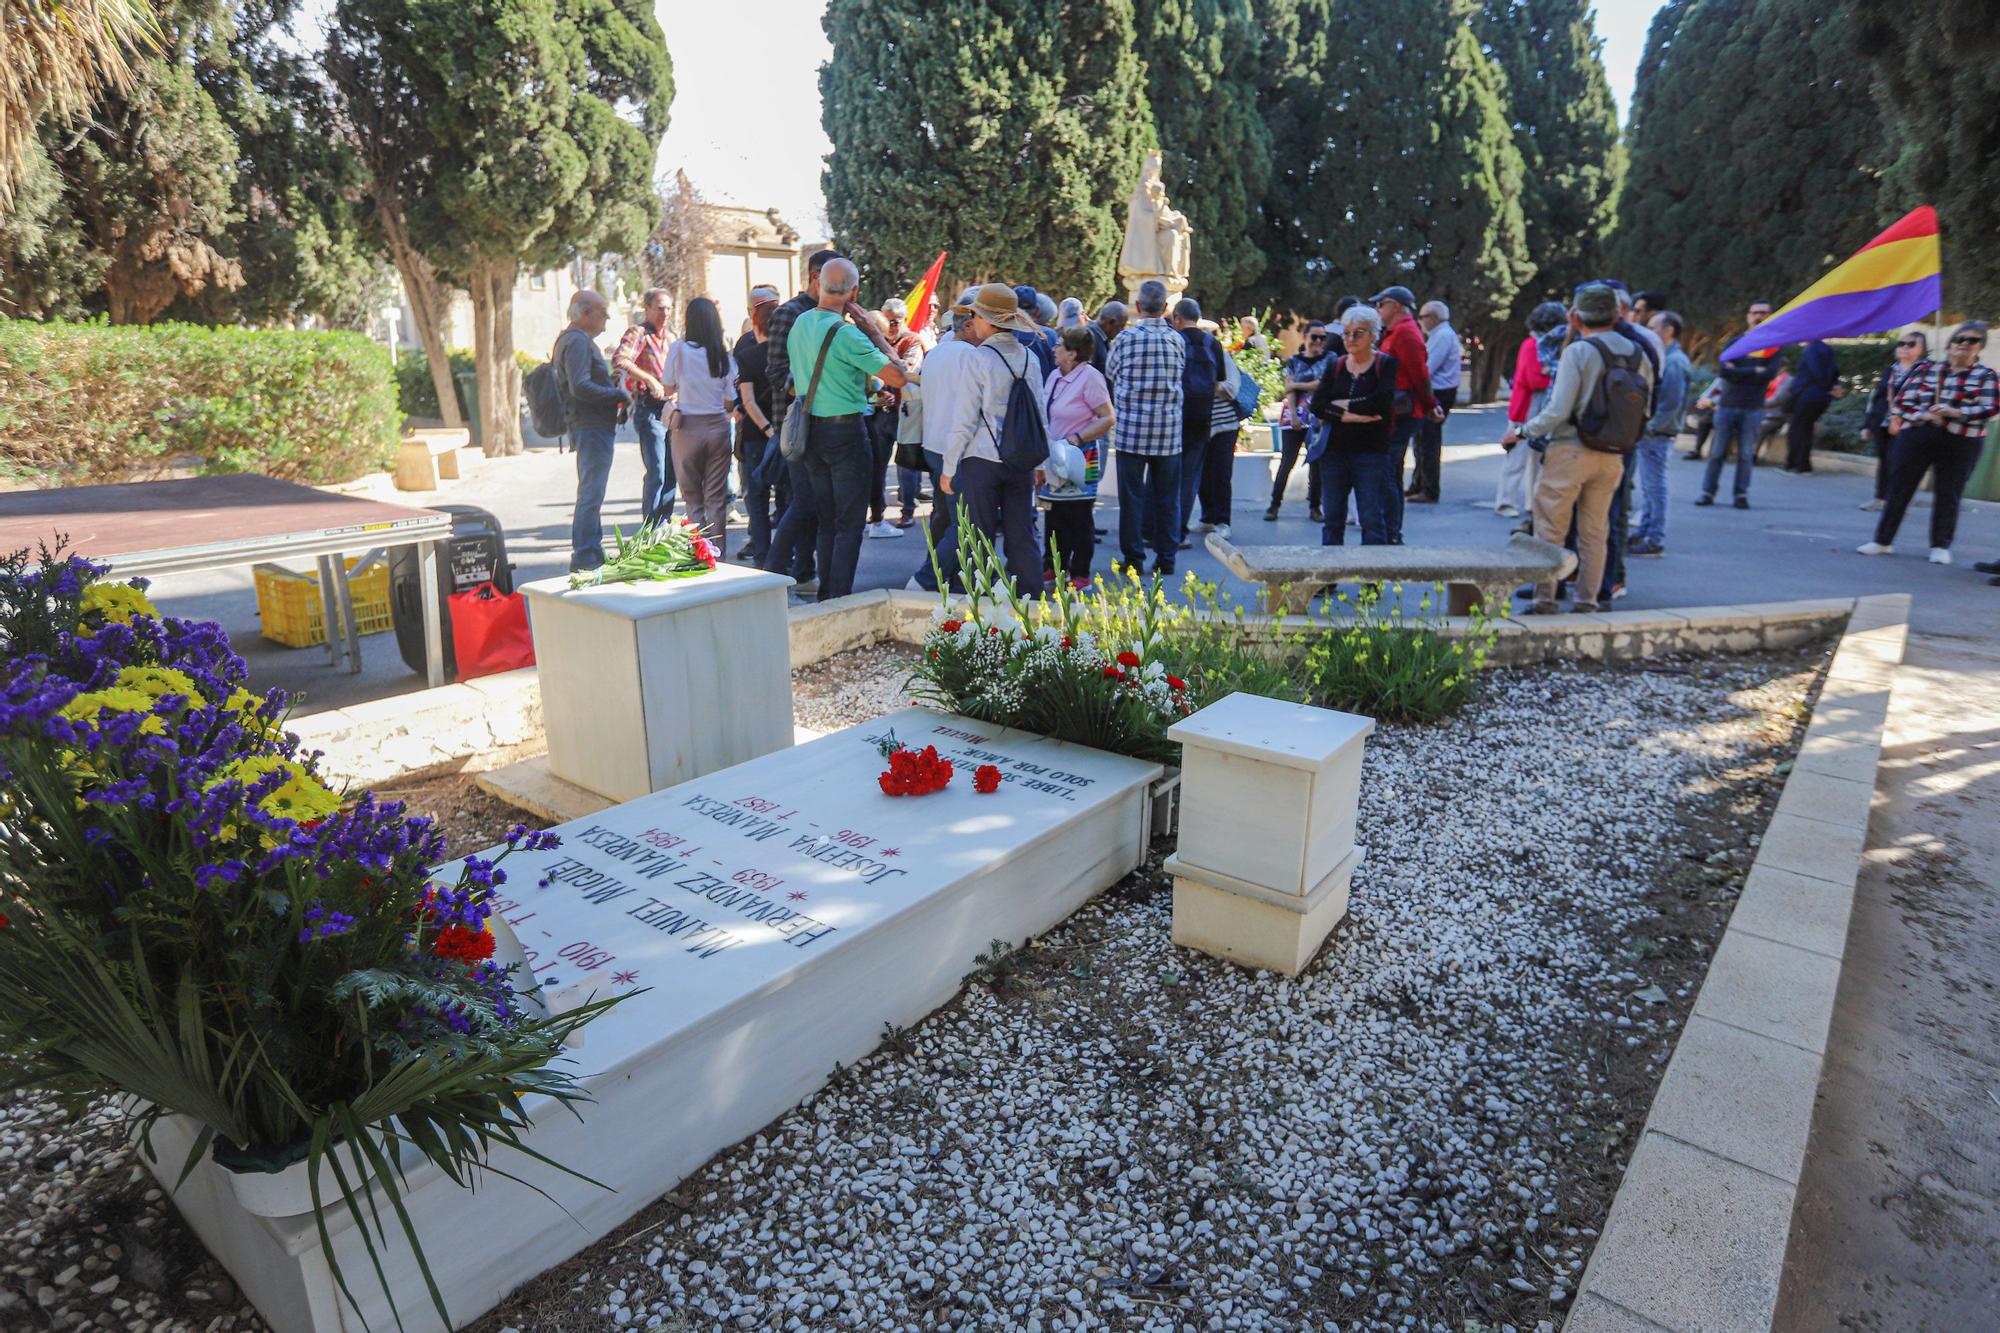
(302, 796)
(250, 710)
(156, 682)
(114, 604)
(115, 699)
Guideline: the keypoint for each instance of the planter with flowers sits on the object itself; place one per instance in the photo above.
(258, 968)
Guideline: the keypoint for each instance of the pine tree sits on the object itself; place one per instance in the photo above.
(1938, 79)
(1008, 132)
(1203, 71)
(1394, 158)
(1746, 184)
(1566, 127)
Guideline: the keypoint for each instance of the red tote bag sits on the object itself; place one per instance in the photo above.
(489, 631)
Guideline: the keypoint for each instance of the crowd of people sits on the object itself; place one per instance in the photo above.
(1151, 400)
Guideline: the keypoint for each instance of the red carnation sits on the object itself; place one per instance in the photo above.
(463, 944)
(1175, 682)
(1128, 658)
(3, 921)
(985, 779)
(950, 627)
(1111, 672)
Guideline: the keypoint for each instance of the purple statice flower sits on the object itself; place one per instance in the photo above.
(322, 922)
(220, 872)
(522, 838)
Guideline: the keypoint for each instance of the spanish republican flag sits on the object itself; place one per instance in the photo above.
(1897, 278)
(921, 296)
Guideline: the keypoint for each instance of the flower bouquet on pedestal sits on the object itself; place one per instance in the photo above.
(194, 923)
(674, 549)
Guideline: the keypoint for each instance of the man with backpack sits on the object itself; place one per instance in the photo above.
(590, 413)
(997, 436)
(1595, 413)
(1201, 378)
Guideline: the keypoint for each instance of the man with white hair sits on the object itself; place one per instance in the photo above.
(1446, 357)
(590, 411)
(837, 340)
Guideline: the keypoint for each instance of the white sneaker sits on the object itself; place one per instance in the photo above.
(1874, 548)
(883, 529)
(1873, 506)
(1507, 511)
(1221, 529)
(1940, 555)
(1201, 526)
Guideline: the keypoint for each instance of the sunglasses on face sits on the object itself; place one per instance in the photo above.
(1316, 338)
(1969, 340)
(1909, 342)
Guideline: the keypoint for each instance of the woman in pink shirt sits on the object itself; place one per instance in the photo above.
(1077, 402)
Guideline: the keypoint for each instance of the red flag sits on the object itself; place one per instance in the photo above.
(924, 294)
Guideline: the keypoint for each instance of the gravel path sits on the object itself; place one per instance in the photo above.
(1105, 1132)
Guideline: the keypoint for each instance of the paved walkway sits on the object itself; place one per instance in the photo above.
(1898, 1220)
(1797, 542)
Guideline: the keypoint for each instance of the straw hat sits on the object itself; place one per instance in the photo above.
(997, 305)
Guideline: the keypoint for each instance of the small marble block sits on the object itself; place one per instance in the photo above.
(1269, 791)
(1241, 923)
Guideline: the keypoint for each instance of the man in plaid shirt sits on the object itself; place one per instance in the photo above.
(1939, 420)
(778, 333)
(641, 359)
(1145, 372)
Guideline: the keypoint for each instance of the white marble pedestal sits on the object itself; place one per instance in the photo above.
(648, 684)
(771, 919)
(1269, 793)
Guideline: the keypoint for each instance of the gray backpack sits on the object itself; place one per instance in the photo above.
(1614, 417)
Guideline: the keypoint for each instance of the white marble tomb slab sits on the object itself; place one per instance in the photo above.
(648, 684)
(775, 916)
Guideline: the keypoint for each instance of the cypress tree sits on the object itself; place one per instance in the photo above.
(1938, 78)
(1203, 65)
(1566, 126)
(1746, 183)
(1394, 158)
(1009, 133)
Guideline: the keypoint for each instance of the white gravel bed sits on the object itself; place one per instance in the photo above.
(851, 687)
(1107, 1132)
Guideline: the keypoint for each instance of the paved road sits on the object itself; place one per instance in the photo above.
(1796, 542)
(1898, 1219)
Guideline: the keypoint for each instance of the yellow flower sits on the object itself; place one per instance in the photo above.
(115, 699)
(113, 604)
(156, 682)
(301, 796)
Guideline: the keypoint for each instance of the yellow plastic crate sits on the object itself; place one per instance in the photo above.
(288, 603)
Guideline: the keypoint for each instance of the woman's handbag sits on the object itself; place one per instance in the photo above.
(798, 422)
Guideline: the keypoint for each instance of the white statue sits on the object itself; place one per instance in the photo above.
(1158, 239)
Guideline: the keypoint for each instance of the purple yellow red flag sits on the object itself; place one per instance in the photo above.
(918, 303)
(1895, 279)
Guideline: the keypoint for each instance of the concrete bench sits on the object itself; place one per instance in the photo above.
(1294, 576)
(427, 455)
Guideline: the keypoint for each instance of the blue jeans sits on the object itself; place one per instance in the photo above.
(593, 470)
(943, 529)
(656, 490)
(909, 484)
(1367, 476)
(1400, 435)
(1621, 530)
(1653, 453)
(838, 464)
(1194, 454)
(1739, 424)
(795, 540)
(1149, 508)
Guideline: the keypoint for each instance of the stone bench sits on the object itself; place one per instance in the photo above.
(1294, 576)
(426, 455)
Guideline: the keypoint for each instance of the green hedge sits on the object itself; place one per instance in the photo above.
(83, 403)
(417, 395)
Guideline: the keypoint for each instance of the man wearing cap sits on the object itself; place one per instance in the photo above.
(1414, 403)
(1110, 322)
(1145, 368)
(947, 369)
(778, 372)
(996, 499)
(1445, 355)
(1577, 482)
(837, 457)
(1027, 300)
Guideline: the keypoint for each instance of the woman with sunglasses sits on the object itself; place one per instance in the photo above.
(1939, 420)
(1302, 372)
(1911, 348)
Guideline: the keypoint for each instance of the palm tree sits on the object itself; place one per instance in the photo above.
(56, 58)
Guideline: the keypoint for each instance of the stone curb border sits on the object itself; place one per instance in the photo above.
(1697, 1233)
(496, 719)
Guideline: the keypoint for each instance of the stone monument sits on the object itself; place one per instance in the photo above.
(1158, 239)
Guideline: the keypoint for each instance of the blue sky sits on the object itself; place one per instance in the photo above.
(746, 106)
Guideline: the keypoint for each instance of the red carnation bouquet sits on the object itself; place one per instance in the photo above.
(912, 772)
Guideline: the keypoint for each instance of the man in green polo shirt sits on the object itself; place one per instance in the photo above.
(837, 463)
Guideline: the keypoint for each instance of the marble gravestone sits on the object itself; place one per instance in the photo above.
(768, 921)
(648, 684)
